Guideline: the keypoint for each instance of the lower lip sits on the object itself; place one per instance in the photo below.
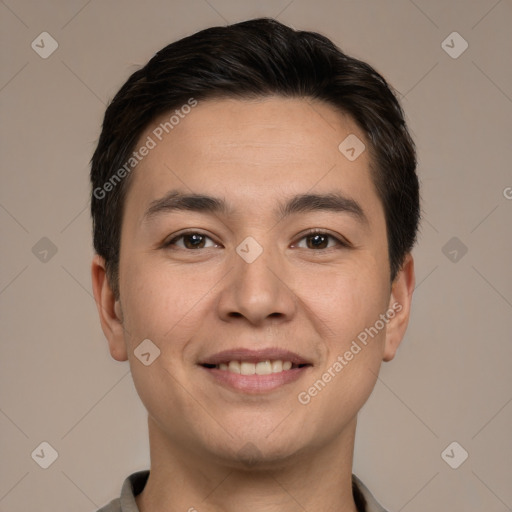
(256, 383)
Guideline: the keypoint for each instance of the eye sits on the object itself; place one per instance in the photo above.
(317, 239)
(191, 240)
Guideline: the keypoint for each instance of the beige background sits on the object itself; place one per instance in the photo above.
(451, 380)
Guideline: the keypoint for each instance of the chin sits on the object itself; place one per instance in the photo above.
(259, 450)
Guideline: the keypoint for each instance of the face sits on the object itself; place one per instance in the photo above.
(262, 278)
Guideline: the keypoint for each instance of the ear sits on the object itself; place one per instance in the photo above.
(109, 310)
(400, 303)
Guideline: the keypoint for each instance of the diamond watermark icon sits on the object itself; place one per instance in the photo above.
(249, 249)
(44, 45)
(351, 147)
(44, 250)
(146, 352)
(249, 454)
(454, 45)
(454, 249)
(454, 455)
(45, 455)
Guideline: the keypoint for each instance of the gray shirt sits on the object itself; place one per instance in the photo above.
(134, 484)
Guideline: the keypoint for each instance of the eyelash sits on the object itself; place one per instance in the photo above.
(342, 243)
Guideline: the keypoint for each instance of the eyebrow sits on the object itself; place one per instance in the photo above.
(301, 203)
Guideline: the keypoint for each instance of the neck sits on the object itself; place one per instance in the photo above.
(180, 480)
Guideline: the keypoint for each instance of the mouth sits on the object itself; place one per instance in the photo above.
(254, 372)
(266, 367)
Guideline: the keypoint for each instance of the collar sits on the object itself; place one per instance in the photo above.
(134, 484)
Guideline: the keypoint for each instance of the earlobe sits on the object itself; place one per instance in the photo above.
(400, 304)
(109, 310)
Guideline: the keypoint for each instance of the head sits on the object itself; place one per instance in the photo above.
(254, 114)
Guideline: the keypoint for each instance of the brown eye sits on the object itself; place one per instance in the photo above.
(194, 241)
(191, 240)
(320, 240)
(317, 241)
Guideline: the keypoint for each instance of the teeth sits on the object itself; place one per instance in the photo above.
(264, 368)
(234, 366)
(260, 368)
(277, 366)
(247, 368)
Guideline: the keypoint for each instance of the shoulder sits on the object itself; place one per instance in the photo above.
(364, 498)
(132, 486)
(113, 506)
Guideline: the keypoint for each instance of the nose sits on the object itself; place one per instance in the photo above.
(257, 290)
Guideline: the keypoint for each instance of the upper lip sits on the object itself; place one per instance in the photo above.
(254, 356)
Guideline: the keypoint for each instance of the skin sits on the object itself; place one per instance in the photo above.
(213, 448)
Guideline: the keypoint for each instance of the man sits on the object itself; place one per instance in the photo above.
(255, 203)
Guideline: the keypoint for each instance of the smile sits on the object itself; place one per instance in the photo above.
(255, 371)
(259, 368)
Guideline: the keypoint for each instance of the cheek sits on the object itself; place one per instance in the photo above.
(160, 307)
(348, 299)
(154, 296)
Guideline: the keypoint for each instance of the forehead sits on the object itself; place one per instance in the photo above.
(230, 128)
(251, 150)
